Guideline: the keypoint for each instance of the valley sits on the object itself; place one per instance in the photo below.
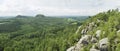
(39, 33)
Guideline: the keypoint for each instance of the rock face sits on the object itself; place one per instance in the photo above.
(85, 39)
(103, 44)
(82, 42)
(89, 27)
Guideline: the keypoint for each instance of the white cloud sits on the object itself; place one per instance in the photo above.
(56, 7)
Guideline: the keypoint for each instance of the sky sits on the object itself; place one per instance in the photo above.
(56, 7)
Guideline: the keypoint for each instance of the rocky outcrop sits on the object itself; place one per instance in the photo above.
(104, 31)
(89, 27)
(103, 44)
(82, 42)
(84, 31)
(86, 39)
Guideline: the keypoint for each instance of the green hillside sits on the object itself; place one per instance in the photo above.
(24, 33)
(100, 32)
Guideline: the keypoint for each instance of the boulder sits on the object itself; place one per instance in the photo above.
(84, 31)
(83, 41)
(103, 44)
(98, 32)
(94, 40)
(91, 26)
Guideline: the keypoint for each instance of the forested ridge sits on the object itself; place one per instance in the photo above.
(39, 33)
(100, 32)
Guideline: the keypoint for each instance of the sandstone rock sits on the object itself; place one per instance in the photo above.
(83, 41)
(84, 31)
(98, 32)
(103, 44)
(84, 38)
(94, 40)
(90, 26)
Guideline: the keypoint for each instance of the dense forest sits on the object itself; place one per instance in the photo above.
(39, 33)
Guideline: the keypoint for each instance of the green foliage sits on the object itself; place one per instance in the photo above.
(109, 24)
(118, 47)
(37, 34)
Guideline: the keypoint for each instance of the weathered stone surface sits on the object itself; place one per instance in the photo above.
(98, 32)
(83, 41)
(84, 31)
(103, 44)
(94, 40)
(85, 38)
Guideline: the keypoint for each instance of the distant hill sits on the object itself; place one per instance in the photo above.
(40, 15)
(22, 16)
